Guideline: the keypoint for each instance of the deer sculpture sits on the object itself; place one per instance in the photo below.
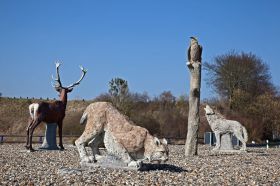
(53, 112)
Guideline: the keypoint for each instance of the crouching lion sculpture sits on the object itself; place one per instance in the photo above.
(130, 143)
(220, 126)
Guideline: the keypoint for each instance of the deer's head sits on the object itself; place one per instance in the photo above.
(58, 85)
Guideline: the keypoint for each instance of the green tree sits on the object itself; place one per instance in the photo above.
(118, 88)
(119, 91)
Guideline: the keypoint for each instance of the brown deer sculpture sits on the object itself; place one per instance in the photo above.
(53, 112)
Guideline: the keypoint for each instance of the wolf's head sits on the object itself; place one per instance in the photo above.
(209, 110)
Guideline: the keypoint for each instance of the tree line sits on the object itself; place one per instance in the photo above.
(245, 93)
(163, 115)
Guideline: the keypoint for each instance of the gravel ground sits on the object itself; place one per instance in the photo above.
(257, 167)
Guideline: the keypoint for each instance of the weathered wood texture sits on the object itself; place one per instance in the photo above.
(194, 101)
(194, 66)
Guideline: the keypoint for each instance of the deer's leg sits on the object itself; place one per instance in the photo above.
(27, 134)
(31, 130)
(60, 135)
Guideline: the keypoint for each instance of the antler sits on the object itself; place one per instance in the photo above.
(57, 79)
(84, 71)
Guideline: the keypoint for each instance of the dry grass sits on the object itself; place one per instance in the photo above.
(14, 116)
(163, 122)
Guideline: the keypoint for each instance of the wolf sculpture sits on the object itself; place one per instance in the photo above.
(220, 125)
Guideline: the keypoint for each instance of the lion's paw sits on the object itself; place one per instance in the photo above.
(135, 164)
(98, 157)
(88, 159)
(216, 148)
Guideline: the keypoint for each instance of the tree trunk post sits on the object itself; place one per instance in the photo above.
(194, 65)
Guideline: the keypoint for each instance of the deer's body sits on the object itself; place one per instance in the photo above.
(33, 110)
(53, 110)
(50, 112)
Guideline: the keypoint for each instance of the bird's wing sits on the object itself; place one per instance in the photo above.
(189, 53)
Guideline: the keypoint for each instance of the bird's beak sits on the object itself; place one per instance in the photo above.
(194, 38)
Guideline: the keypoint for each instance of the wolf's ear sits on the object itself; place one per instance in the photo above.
(156, 141)
(164, 141)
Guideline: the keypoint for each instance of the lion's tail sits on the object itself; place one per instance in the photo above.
(245, 134)
(83, 118)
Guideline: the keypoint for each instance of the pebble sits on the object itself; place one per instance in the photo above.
(257, 167)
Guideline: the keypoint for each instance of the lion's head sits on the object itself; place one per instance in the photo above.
(157, 151)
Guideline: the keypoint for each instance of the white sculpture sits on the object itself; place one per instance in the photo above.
(122, 139)
(220, 126)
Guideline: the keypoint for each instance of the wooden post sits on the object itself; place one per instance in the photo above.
(194, 65)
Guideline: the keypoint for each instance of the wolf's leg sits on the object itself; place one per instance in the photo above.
(238, 135)
(218, 141)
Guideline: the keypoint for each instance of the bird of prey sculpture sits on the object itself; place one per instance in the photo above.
(194, 51)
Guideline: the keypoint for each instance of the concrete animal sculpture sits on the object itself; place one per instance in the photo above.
(130, 143)
(194, 51)
(51, 112)
(220, 125)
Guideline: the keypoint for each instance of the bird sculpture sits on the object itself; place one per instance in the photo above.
(194, 51)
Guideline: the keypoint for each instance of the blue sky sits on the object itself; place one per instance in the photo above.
(143, 42)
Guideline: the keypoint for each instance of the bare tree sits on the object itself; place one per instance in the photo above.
(238, 72)
(167, 96)
(194, 65)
